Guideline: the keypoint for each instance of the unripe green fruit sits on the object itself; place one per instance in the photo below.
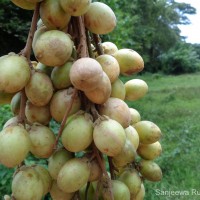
(90, 194)
(140, 195)
(42, 139)
(15, 73)
(53, 48)
(130, 61)
(109, 48)
(61, 101)
(149, 151)
(73, 175)
(24, 4)
(116, 109)
(118, 89)
(148, 132)
(75, 7)
(150, 170)
(132, 180)
(27, 184)
(39, 89)
(43, 68)
(14, 144)
(60, 76)
(39, 114)
(78, 138)
(110, 66)
(57, 194)
(100, 18)
(53, 16)
(135, 116)
(15, 103)
(109, 137)
(57, 160)
(135, 89)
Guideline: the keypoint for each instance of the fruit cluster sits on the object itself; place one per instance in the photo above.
(103, 149)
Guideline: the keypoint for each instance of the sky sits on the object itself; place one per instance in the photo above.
(192, 31)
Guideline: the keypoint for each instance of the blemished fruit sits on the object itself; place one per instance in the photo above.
(73, 175)
(140, 195)
(27, 184)
(148, 132)
(135, 89)
(109, 48)
(130, 61)
(15, 73)
(75, 7)
(109, 136)
(150, 170)
(100, 18)
(16, 137)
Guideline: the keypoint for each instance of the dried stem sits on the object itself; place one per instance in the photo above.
(75, 92)
(111, 168)
(22, 107)
(97, 42)
(91, 54)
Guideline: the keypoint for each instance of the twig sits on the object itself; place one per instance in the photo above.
(22, 107)
(111, 168)
(88, 38)
(65, 117)
(97, 42)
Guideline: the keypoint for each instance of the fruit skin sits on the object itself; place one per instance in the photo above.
(15, 73)
(39, 89)
(100, 18)
(109, 48)
(86, 74)
(57, 160)
(116, 109)
(73, 175)
(24, 4)
(42, 140)
(52, 48)
(148, 132)
(149, 151)
(109, 136)
(53, 16)
(5, 98)
(75, 7)
(15, 103)
(130, 61)
(14, 144)
(140, 195)
(118, 89)
(150, 170)
(90, 193)
(57, 194)
(132, 136)
(135, 89)
(77, 138)
(61, 101)
(27, 184)
(135, 116)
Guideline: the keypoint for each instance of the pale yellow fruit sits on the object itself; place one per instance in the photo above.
(109, 48)
(135, 116)
(118, 89)
(133, 136)
(24, 4)
(140, 195)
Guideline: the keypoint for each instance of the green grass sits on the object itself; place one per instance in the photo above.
(173, 103)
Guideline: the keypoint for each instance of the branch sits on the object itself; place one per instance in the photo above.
(65, 117)
(97, 42)
(111, 168)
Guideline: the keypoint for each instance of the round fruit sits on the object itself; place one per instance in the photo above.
(60, 76)
(109, 136)
(5, 98)
(90, 192)
(133, 136)
(15, 103)
(60, 102)
(95, 171)
(135, 89)
(100, 94)
(75, 7)
(149, 151)
(86, 74)
(110, 66)
(39, 89)
(73, 175)
(12, 121)
(14, 144)
(78, 138)
(53, 48)
(27, 184)
(100, 18)
(148, 132)
(130, 61)
(150, 170)
(116, 109)
(24, 4)
(43, 68)
(53, 16)
(57, 160)
(15, 73)
(118, 89)
(140, 195)
(40, 114)
(132, 180)
(42, 139)
(57, 194)
(109, 48)
(135, 116)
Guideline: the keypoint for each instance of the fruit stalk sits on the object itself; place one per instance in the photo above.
(97, 42)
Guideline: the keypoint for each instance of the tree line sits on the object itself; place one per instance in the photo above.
(149, 27)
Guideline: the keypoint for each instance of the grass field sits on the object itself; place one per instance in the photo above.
(173, 103)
